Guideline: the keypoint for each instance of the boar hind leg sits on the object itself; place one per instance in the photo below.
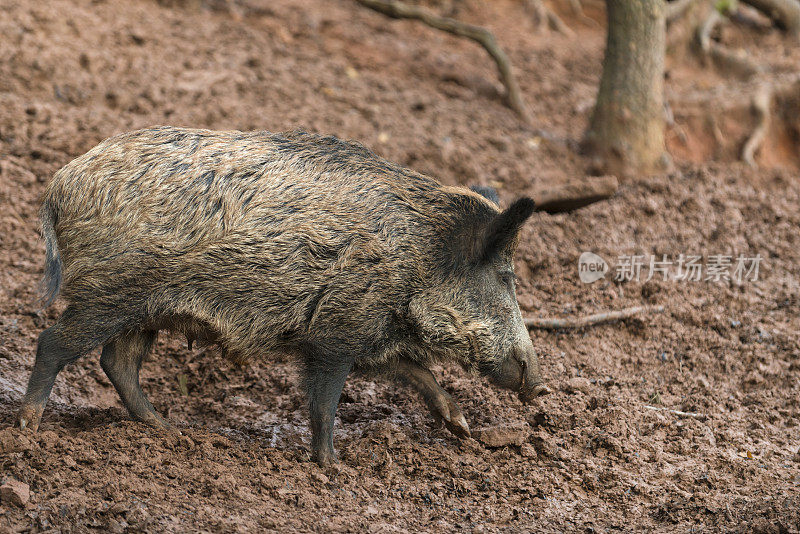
(439, 402)
(324, 382)
(76, 333)
(121, 360)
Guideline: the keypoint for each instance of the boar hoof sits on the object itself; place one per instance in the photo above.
(444, 409)
(30, 417)
(325, 458)
(158, 423)
(458, 424)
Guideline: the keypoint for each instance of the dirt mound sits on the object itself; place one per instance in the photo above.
(609, 451)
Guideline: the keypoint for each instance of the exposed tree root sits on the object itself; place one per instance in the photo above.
(399, 10)
(546, 17)
(721, 56)
(761, 104)
(677, 9)
(578, 11)
(589, 320)
(576, 195)
(784, 13)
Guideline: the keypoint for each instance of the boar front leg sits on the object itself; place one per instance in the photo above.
(324, 379)
(439, 402)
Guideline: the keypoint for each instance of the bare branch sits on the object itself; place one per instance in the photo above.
(589, 320)
(761, 103)
(399, 10)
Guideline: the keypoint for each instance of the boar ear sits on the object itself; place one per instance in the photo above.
(501, 233)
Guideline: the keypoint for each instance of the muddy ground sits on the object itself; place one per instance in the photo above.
(599, 454)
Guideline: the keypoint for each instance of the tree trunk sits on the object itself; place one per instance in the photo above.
(626, 132)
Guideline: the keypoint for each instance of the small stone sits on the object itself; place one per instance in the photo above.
(321, 478)
(754, 378)
(351, 73)
(650, 207)
(527, 451)
(703, 382)
(579, 383)
(114, 527)
(500, 436)
(117, 508)
(186, 442)
(48, 439)
(13, 440)
(544, 444)
(15, 492)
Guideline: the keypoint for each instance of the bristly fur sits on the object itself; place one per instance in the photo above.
(260, 242)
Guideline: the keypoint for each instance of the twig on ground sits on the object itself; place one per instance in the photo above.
(700, 416)
(576, 195)
(720, 55)
(589, 320)
(761, 104)
(395, 9)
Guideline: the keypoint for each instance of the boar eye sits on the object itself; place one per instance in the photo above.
(508, 278)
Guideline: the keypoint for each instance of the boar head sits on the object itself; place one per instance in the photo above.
(470, 314)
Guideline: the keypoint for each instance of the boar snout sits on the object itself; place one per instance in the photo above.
(532, 384)
(520, 372)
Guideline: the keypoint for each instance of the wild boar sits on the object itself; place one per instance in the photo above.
(278, 242)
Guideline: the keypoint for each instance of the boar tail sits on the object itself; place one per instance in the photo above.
(51, 282)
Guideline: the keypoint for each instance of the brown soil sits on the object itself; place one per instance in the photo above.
(594, 457)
